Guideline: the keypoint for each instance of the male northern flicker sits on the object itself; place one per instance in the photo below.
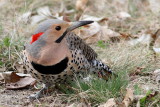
(55, 54)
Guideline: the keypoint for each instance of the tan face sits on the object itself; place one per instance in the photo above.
(56, 31)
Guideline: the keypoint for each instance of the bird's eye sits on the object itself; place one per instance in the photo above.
(58, 28)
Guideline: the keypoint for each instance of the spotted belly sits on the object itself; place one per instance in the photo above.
(47, 78)
(75, 67)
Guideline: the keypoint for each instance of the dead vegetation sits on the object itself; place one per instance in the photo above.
(125, 35)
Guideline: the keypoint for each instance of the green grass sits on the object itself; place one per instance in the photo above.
(137, 90)
(10, 51)
(97, 90)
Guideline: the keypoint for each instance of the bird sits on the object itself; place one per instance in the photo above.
(55, 55)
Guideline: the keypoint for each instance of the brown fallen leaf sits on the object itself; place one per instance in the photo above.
(7, 76)
(126, 36)
(150, 38)
(78, 105)
(157, 50)
(2, 69)
(81, 5)
(22, 83)
(123, 15)
(15, 80)
(1, 77)
(81, 8)
(95, 32)
(152, 42)
(157, 76)
(110, 103)
(108, 33)
(90, 30)
(137, 71)
(128, 99)
(138, 104)
(157, 42)
(94, 18)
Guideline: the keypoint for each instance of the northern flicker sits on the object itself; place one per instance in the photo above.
(55, 54)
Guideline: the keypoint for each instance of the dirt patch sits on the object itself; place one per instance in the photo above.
(19, 98)
(10, 98)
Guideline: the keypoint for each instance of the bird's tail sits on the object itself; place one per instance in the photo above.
(101, 69)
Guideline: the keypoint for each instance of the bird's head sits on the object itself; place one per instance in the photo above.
(47, 44)
(54, 30)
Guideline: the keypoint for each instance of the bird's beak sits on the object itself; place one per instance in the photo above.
(73, 25)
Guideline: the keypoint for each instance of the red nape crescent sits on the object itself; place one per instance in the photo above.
(35, 37)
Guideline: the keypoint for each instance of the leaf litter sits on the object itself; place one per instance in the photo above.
(18, 80)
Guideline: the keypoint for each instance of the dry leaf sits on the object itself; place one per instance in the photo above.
(7, 76)
(148, 38)
(108, 32)
(123, 15)
(79, 105)
(44, 11)
(144, 39)
(138, 104)
(65, 18)
(81, 5)
(25, 17)
(157, 50)
(94, 32)
(22, 83)
(137, 71)
(126, 36)
(89, 30)
(1, 77)
(3, 2)
(128, 99)
(2, 69)
(42, 14)
(93, 18)
(157, 42)
(17, 80)
(34, 18)
(92, 39)
(110, 103)
(154, 6)
(157, 76)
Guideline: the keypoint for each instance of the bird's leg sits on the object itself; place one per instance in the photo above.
(40, 93)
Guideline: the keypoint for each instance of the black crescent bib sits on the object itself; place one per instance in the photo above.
(53, 69)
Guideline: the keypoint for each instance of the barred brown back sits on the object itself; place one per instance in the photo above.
(76, 42)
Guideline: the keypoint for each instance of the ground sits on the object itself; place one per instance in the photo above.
(134, 64)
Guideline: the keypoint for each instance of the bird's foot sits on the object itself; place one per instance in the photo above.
(34, 96)
(38, 94)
